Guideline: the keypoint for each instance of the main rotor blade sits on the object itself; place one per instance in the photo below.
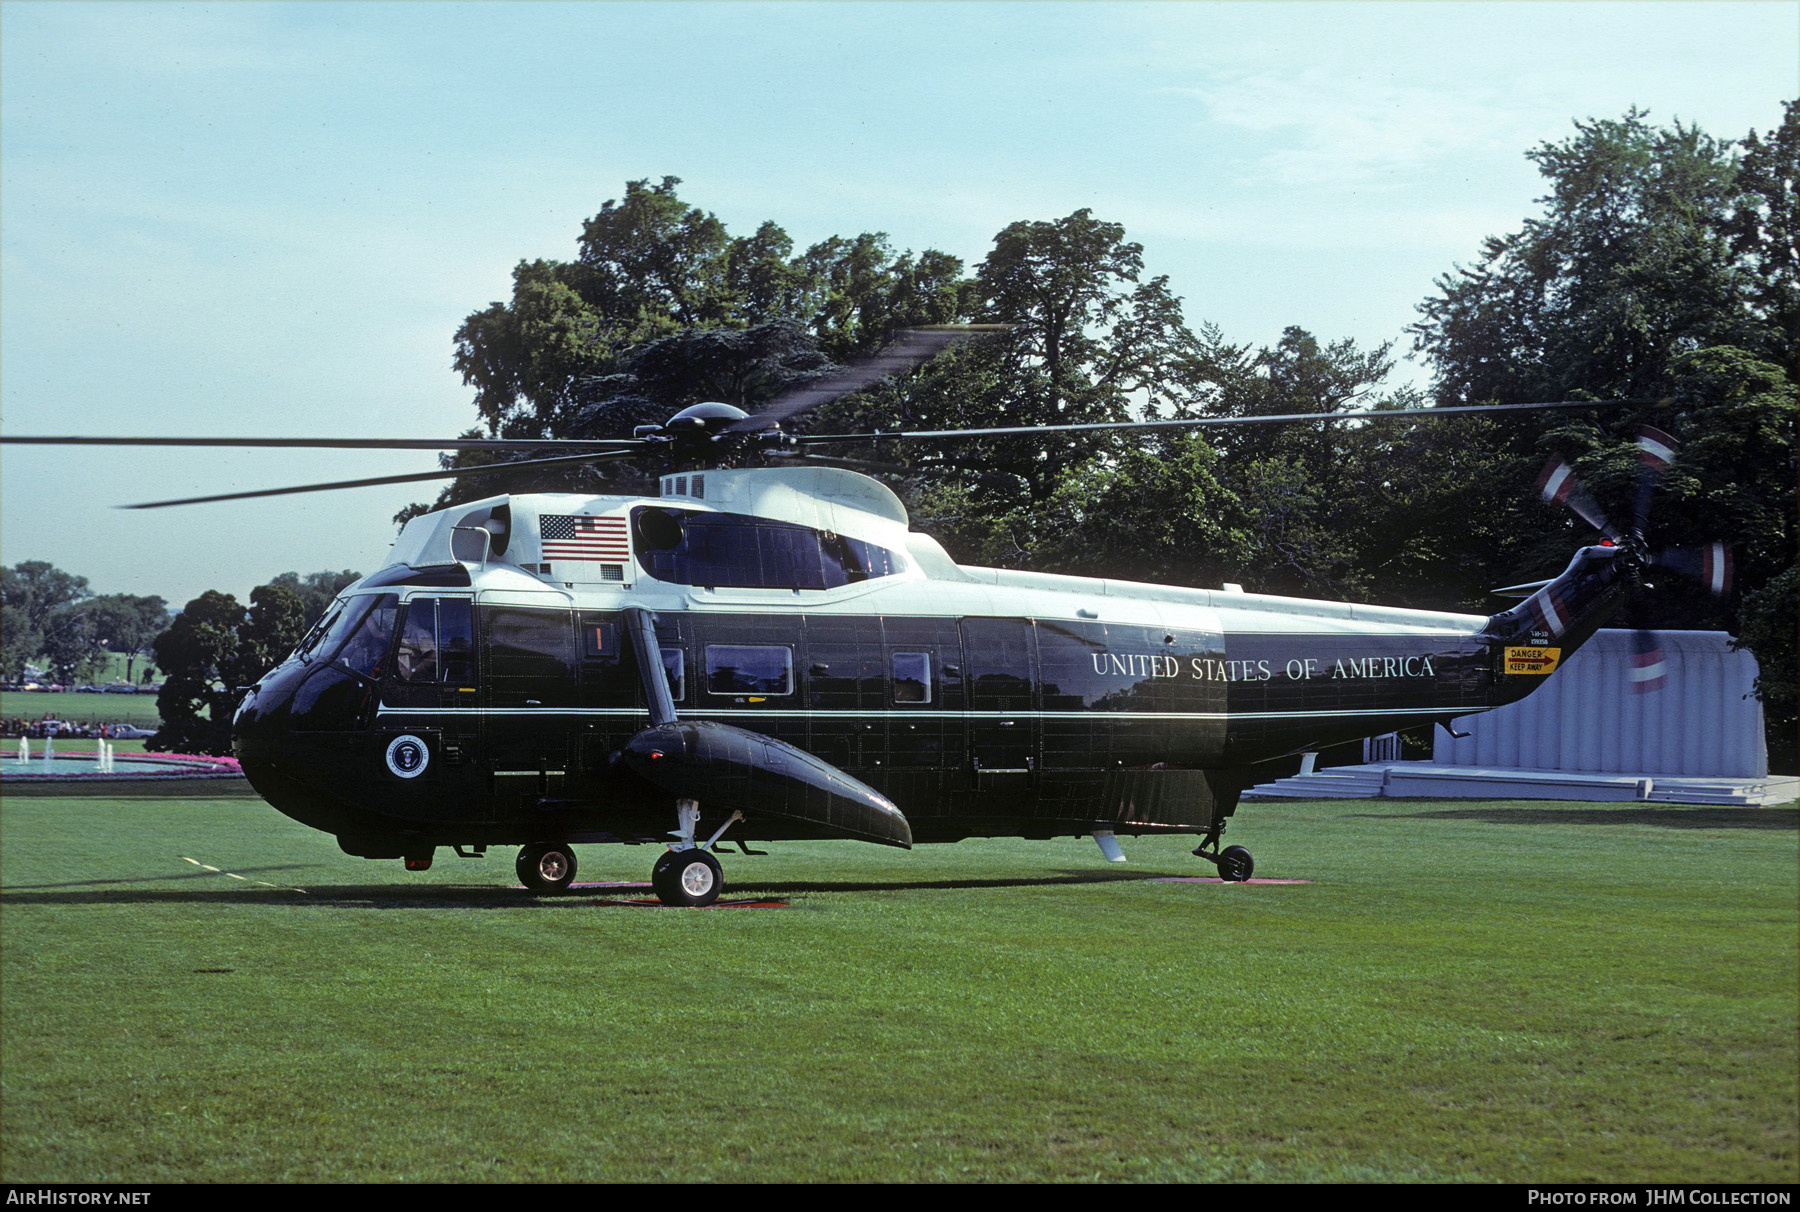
(442, 474)
(1518, 591)
(340, 443)
(866, 465)
(1193, 422)
(912, 347)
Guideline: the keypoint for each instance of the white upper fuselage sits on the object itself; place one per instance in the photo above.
(927, 581)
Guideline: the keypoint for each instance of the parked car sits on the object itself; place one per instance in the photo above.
(131, 732)
(120, 688)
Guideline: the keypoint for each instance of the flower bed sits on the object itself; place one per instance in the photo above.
(131, 766)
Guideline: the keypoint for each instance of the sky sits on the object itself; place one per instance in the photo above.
(269, 219)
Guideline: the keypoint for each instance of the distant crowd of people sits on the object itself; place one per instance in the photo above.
(18, 726)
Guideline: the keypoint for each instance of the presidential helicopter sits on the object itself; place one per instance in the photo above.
(765, 651)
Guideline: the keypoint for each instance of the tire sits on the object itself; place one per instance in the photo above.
(1235, 864)
(546, 866)
(689, 878)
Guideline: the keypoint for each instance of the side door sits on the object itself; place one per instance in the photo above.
(430, 692)
(1004, 730)
(528, 686)
(924, 695)
(845, 691)
(747, 673)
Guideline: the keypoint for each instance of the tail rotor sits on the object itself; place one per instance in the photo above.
(1709, 563)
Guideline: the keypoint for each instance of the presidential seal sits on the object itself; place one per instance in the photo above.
(407, 756)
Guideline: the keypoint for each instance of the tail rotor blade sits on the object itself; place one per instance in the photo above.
(1709, 564)
(1558, 486)
(1656, 454)
(1656, 449)
(1648, 672)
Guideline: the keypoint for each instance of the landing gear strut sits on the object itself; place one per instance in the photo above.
(689, 875)
(546, 866)
(1234, 862)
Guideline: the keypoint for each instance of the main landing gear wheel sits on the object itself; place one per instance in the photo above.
(1235, 864)
(687, 877)
(546, 866)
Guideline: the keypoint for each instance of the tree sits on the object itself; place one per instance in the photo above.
(649, 266)
(126, 624)
(1156, 513)
(1764, 229)
(1768, 630)
(269, 631)
(316, 590)
(19, 640)
(44, 618)
(1663, 267)
(71, 646)
(213, 647)
(587, 348)
(197, 654)
(41, 590)
(1632, 263)
(1089, 342)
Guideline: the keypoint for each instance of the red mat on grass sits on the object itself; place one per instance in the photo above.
(1213, 879)
(650, 902)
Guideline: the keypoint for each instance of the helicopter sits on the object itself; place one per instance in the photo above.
(765, 651)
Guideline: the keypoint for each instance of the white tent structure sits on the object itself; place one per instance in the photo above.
(1586, 736)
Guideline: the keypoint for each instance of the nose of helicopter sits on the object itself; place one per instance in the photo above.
(262, 714)
(276, 735)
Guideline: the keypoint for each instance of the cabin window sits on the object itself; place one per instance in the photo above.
(366, 650)
(762, 669)
(416, 660)
(675, 668)
(912, 677)
(723, 550)
(437, 642)
(456, 641)
(530, 644)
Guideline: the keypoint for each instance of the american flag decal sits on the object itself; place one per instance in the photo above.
(567, 537)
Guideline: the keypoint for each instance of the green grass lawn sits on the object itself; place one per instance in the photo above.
(1465, 991)
(139, 709)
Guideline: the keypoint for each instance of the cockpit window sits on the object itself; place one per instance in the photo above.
(726, 550)
(338, 622)
(366, 650)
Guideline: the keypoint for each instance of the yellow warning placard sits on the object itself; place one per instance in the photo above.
(1532, 660)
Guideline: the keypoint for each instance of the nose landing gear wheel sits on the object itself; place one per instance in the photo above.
(546, 866)
(687, 877)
